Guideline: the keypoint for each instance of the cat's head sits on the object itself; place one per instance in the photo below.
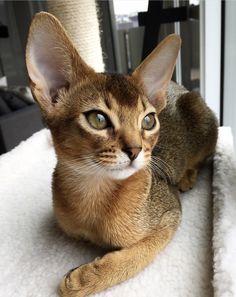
(101, 124)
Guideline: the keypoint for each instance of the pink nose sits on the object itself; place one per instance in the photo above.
(132, 152)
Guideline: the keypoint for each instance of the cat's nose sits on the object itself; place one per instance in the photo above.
(132, 152)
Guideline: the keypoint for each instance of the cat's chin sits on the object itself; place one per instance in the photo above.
(120, 174)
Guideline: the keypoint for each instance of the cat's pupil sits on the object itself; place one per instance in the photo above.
(100, 117)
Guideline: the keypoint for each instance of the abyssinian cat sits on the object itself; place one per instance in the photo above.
(125, 146)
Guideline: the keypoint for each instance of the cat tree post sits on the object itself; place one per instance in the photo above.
(80, 19)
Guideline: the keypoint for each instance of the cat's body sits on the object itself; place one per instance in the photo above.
(121, 155)
(194, 138)
(119, 213)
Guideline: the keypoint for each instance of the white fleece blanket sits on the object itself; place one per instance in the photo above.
(34, 253)
(224, 209)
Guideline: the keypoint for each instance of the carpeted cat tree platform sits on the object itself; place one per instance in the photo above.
(34, 253)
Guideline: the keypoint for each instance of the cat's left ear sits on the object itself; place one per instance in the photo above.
(156, 70)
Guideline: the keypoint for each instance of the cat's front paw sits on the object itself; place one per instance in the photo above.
(188, 180)
(185, 186)
(81, 281)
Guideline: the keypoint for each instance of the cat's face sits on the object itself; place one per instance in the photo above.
(112, 128)
(101, 124)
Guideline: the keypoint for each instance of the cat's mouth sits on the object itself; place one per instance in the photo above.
(123, 167)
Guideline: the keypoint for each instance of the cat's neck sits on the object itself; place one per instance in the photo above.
(87, 185)
(94, 185)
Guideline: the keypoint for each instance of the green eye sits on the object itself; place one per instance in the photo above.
(149, 122)
(97, 120)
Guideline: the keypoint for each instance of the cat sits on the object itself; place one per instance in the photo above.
(125, 144)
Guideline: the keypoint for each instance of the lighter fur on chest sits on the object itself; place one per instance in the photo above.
(104, 211)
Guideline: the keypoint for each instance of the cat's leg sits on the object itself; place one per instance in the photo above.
(118, 266)
(188, 180)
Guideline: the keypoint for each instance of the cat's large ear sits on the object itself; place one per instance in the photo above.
(156, 70)
(53, 63)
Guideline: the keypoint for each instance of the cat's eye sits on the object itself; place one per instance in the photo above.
(97, 120)
(149, 122)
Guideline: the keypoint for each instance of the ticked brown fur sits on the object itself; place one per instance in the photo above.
(133, 208)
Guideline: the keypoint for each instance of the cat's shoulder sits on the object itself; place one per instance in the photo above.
(175, 91)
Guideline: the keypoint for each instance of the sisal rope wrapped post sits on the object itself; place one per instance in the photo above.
(80, 19)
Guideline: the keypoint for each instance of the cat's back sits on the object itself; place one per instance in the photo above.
(189, 117)
(188, 129)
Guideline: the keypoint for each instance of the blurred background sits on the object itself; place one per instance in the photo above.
(129, 30)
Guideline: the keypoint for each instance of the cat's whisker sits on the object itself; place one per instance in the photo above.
(165, 169)
(162, 171)
(85, 165)
(165, 164)
(156, 171)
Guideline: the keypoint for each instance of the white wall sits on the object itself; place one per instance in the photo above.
(229, 115)
(210, 52)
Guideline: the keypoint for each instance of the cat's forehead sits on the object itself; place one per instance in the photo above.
(113, 92)
(124, 89)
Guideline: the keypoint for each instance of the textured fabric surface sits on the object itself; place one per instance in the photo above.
(224, 238)
(79, 17)
(35, 253)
